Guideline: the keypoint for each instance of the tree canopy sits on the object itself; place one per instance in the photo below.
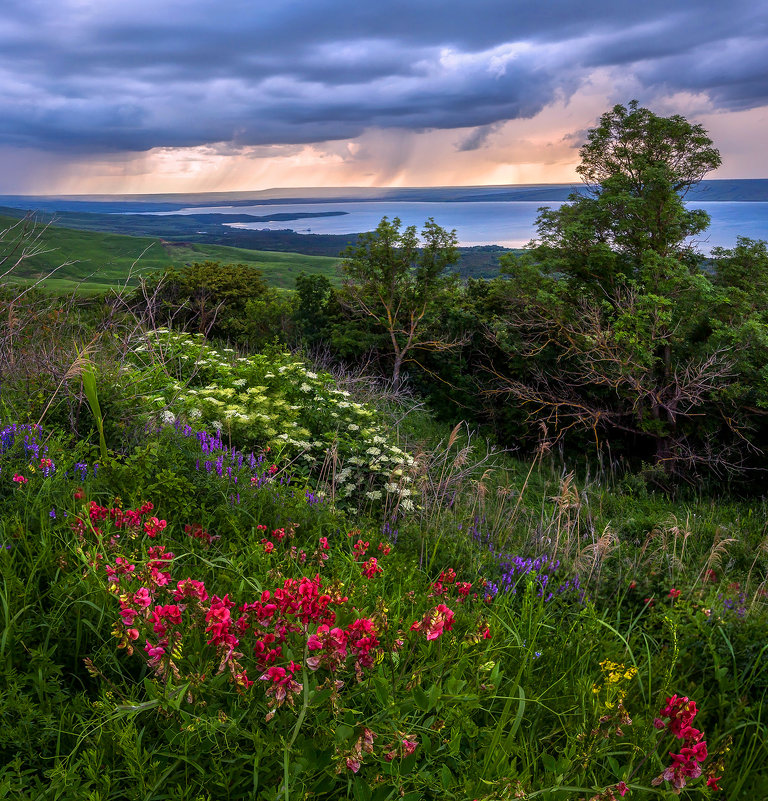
(392, 279)
(610, 310)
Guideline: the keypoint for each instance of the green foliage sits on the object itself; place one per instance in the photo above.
(610, 315)
(93, 262)
(509, 629)
(393, 283)
(91, 393)
(533, 709)
(274, 402)
(208, 297)
(311, 316)
(640, 167)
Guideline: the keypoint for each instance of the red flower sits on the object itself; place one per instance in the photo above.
(362, 640)
(712, 783)
(142, 597)
(434, 622)
(371, 568)
(189, 588)
(674, 594)
(409, 746)
(332, 642)
(359, 549)
(153, 527)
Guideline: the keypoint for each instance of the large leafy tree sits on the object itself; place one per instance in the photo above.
(607, 315)
(394, 281)
(209, 297)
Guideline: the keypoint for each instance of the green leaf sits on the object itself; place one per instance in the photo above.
(361, 789)
(421, 699)
(343, 733)
(381, 688)
(434, 695)
(549, 762)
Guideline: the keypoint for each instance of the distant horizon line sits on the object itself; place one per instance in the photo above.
(296, 189)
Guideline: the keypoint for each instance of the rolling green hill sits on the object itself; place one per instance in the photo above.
(94, 262)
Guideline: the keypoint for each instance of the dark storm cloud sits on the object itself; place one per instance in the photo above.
(97, 75)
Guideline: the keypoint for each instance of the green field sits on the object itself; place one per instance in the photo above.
(89, 262)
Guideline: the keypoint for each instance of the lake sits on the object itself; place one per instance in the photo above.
(508, 223)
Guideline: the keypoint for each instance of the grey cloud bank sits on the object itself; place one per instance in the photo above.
(81, 77)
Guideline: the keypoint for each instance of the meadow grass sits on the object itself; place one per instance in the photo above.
(514, 632)
(96, 262)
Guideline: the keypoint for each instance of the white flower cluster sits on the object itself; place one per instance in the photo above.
(276, 401)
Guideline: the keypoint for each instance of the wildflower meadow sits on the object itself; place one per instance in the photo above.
(253, 584)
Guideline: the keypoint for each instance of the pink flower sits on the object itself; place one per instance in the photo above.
(674, 594)
(219, 621)
(128, 616)
(685, 765)
(448, 576)
(189, 588)
(353, 764)
(441, 618)
(371, 568)
(283, 685)
(366, 740)
(153, 527)
(155, 652)
(434, 622)
(242, 680)
(363, 640)
(332, 642)
(163, 616)
(19, 479)
(698, 751)
(409, 746)
(133, 634)
(359, 549)
(622, 788)
(142, 597)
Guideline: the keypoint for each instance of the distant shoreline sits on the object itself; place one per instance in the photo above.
(727, 189)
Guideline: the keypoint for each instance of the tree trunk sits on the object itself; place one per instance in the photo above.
(396, 370)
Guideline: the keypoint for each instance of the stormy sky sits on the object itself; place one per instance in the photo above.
(196, 95)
